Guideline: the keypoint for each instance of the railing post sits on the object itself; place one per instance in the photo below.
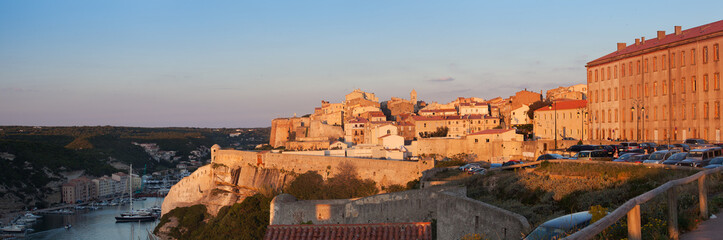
(634, 232)
(673, 214)
(703, 197)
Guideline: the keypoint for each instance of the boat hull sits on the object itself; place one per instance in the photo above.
(135, 219)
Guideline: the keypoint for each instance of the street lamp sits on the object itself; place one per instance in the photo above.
(638, 133)
(550, 107)
(582, 123)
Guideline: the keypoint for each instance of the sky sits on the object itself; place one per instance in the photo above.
(243, 63)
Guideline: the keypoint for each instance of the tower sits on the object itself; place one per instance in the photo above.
(413, 96)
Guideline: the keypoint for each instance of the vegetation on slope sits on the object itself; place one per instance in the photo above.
(555, 189)
(245, 220)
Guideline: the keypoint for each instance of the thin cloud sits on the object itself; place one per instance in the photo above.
(446, 79)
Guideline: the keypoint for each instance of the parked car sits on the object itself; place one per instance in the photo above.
(512, 162)
(700, 157)
(639, 158)
(625, 157)
(715, 162)
(648, 146)
(627, 146)
(560, 227)
(550, 156)
(695, 141)
(610, 150)
(664, 147)
(660, 156)
(477, 171)
(469, 166)
(682, 147)
(596, 155)
(676, 158)
(495, 165)
(578, 148)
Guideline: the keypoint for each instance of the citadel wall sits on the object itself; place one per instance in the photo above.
(456, 215)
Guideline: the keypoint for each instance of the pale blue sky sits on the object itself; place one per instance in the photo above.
(241, 63)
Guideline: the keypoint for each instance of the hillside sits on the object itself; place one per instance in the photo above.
(34, 160)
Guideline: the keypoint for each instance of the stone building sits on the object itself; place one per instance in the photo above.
(570, 120)
(575, 92)
(664, 88)
(77, 190)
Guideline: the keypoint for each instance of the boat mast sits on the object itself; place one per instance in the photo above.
(130, 185)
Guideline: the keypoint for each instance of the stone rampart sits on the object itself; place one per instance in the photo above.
(456, 214)
(494, 151)
(384, 172)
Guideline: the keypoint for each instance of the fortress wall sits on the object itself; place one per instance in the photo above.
(495, 151)
(384, 172)
(456, 214)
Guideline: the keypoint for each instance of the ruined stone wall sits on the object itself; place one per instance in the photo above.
(319, 129)
(384, 172)
(456, 214)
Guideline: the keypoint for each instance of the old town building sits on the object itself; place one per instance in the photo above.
(664, 88)
(569, 117)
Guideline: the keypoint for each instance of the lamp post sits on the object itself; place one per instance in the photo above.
(582, 117)
(550, 107)
(637, 105)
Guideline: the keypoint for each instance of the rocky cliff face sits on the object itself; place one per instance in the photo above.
(217, 185)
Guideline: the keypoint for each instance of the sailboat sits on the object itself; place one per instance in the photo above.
(134, 215)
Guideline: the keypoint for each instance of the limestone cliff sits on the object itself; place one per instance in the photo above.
(217, 185)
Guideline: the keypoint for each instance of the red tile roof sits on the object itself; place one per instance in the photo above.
(421, 231)
(668, 39)
(376, 114)
(565, 105)
(430, 118)
(438, 110)
(358, 120)
(492, 131)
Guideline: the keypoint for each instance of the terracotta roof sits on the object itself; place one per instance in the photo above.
(430, 118)
(404, 124)
(358, 120)
(670, 38)
(492, 131)
(376, 114)
(565, 105)
(380, 231)
(439, 110)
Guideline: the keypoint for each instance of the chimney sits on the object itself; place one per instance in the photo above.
(678, 30)
(661, 35)
(642, 40)
(637, 41)
(621, 46)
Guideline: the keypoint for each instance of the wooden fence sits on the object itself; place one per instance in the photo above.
(631, 208)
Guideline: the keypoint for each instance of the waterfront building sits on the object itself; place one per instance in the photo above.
(660, 89)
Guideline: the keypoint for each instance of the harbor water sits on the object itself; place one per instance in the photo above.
(95, 224)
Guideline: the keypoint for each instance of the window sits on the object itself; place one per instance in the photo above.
(716, 110)
(705, 110)
(663, 64)
(622, 93)
(647, 91)
(693, 84)
(609, 99)
(655, 113)
(616, 71)
(638, 91)
(616, 115)
(638, 66)
(682, 85)
(665, 112)
(597, 96)
(645, 67)
(596, 75)
(630, 67)
(705, 82)
(610, 119)
(589, 76)
(682, 58)
(616, 93)
(630, 91)
(672, 60)
(655, 88)
(602, 74)
(609, 73)
(692, 56)
(655, 66)
(705, 55)
(682, 111)
(716, 81)
(622, 70)
(672, 86)
(665, 88)
(716, 55)
(693, 110)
